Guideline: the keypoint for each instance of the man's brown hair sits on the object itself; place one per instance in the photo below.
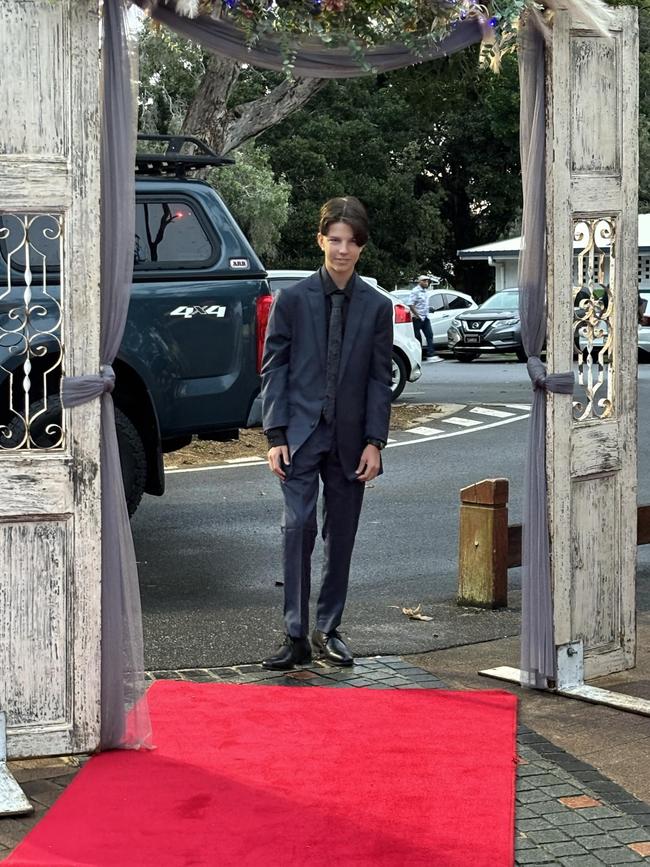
(345, 209)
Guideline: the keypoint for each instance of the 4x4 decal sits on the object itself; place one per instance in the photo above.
(197, 310)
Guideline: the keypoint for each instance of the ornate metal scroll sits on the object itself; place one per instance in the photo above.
(31, 349)
(594, 311)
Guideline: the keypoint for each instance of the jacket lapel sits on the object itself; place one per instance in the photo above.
(353, 321)
(316, 300)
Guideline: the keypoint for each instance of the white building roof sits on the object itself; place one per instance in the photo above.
(510, 248)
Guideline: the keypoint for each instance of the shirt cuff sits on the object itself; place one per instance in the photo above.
(276, 436)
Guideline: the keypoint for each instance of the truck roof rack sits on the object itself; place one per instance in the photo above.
(170, 160)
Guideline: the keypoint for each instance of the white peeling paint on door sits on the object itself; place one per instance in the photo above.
(591, 465)
(50, 574)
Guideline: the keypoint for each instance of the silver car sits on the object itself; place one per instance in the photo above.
(492, 328)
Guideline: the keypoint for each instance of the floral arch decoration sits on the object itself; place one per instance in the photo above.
(327, 39)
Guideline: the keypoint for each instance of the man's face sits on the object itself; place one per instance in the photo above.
(341, 250)
(424, 283)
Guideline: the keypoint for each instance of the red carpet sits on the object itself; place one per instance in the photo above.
(317, 777)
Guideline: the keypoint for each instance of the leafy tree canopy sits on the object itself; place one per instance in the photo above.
(171, 70)
(432, 151)
(257, 199)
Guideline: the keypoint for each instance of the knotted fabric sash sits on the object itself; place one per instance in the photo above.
(81, 389)
(558, 383)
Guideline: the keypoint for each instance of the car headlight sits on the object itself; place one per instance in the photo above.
(455, 323)
(506, 323)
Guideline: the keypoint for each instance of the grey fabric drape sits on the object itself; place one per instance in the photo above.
(537, 640)
(124, 714)
(312, 60)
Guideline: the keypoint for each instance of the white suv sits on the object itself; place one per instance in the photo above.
(444, 305)
(407, 353)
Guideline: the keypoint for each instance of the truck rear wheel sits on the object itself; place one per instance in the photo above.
(133, 460)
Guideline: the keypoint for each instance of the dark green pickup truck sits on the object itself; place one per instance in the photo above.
(190, 356)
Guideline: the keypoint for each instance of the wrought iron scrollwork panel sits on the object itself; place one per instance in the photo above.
(594, 316)
(31, 347)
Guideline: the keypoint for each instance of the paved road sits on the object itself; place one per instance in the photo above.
(209, 549)
(490, 380)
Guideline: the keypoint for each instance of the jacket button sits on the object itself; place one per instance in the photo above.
(312, 424)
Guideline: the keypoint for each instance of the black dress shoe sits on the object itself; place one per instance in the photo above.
(332, 646)
(294, 651)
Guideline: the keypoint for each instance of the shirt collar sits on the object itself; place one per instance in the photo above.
(329, 286)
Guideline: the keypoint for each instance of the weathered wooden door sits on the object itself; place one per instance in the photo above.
(49, 325)
(592, 148)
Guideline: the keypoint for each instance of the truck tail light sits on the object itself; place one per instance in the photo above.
(402, 314)
(262, 313)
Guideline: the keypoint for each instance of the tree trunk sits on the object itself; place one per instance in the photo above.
(206, 115)
(248, 120)
(225, 129)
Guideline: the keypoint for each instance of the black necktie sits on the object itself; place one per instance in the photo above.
(334, 341)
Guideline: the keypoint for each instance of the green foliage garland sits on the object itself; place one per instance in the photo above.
(359, 24)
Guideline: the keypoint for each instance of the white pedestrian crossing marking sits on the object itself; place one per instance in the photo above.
(462, 422)
(423, 431)
(496, 413)
(491, 418)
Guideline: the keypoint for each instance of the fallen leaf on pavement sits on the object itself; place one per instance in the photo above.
(414, 613)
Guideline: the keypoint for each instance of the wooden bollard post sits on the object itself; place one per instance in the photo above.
(483, 548)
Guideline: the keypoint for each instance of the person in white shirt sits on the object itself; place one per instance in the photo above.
(419, 305)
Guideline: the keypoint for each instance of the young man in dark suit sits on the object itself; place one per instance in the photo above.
(326, 395)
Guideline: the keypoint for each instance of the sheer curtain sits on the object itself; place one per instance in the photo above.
(537, 662)
(124, 713)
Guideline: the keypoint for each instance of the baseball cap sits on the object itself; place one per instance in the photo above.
(424, 277)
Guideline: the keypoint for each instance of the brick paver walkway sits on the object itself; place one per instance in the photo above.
(568, 814)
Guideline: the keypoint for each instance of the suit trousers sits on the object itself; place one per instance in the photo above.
(342, 500)
(423, 326)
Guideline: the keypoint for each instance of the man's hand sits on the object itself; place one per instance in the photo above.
(369, 464)
(277, 456)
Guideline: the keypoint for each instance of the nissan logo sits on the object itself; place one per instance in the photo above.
(476, 324)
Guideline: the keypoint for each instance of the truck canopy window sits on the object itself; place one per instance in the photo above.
(170, 234)
(37, 234)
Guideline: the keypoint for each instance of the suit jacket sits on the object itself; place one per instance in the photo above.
(295, 361)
